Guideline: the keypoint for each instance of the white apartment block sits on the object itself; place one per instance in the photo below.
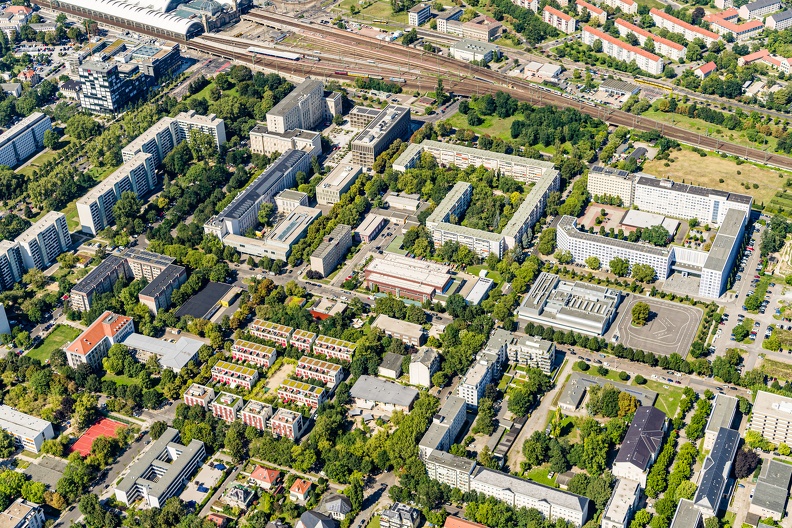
(28, 431)
(622, 504)
(423, 365)
(604, 181)
(303, 107)
(262, 141)
(726, 22)
(559, 20)
(22, 514)
(23, 139)
(664, 47)
(286, 423)
(256, 414)
(41, 243)
(483, 243)
(619, 50)
(722, 255)
(337, 182)
(594, 11)
(772, 417)
(455, 203)
(211, 125)
(626, 6)
(534, 352)
(168, 132)
(444, 428)
(675, 25)
(419, 14)
(95, 209)
(12, 267)
(759, 9)
(779, 21)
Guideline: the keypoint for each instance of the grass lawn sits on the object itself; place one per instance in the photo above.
(613, 375)
(707, 172)
(777, 369)
(494, 275)
(540, 475)
(120, 379)
(667, 399)
(492, 125)
(374, 522)
(60, 336)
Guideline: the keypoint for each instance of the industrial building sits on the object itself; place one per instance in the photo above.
(337, 182)
(406, 277)
(478, 51)
(263, 141)
(392, 123)
(304, 107)
(331, 252)
(444, 428)
(641, 445)
(576, 306)
(23, 139)
(28, 431)
(716, 473)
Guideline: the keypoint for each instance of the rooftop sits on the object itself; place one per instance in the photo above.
(174, 356)
(340, 176)
(621, 502)
(21, 424)
(374, 389)
(106, 325)
(568, 224)
(644, 438)
(621, 44)
(300, 91)
(761, 4)
(716, 469)
(147, 257)
(99, 274)
(692, 189)
(775, 405)
(687, 516)
(162, 281)
(477, 46)
(723, 410)
(727, 237)
(426, 356)
(397, 326)
(422, 272)
(550, 296)
(332, 240)
(557, 497)
(392, 361)
(381, 124)
(690, 27)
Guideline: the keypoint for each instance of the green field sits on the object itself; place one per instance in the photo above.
(667, 399)
(120, 379)
(540, 475)
(492, 125)
(613, 375)
(60, 336)
(777, 369)
(715, 131)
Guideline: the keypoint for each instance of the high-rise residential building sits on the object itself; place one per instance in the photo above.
(604, 182)
(304, 107)
(210, 125)
(332, 250)
(23, 139)
(392, 123)
(108, 88)
(12, 267)
(771, 417)
(168, 132)
(42, 242)
(156, 295)
(99, 280)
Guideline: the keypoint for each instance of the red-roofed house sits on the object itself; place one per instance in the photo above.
(29, 76)
(664, 47)
(559, 20)
(705, 70)
(92, 345)
(456, 522)
(300, 490)
(726, 22)
(217, 518)
(626, 6)
(18, 11)
(675, 25)
(765, 57)
(264, 477)
(620, 50)
(593, 11)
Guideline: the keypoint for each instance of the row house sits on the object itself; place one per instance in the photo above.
(726, 22)
(234, 375)
(256, 414)
(254, 353)
(326, 372)
(226, 406)
(303, 340)
(286, 422)
(301, 393)
(334, 348)
(277, 333)
(199, 395)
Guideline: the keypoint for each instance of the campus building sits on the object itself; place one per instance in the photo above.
(406, 277)
(331, 252)
(92, 345)
(722, 255)
(264, 141)
(665, 47)
(622, 51)
(277, 243)
(771, 417)
(24, 139)
(559, 20)
(28, 431)
(361, 116)
(641, 445)
(392, 123)
(675, 25)
(337, 182)
(249, 352)
(604, 182)
(22, 514)
(304, 107)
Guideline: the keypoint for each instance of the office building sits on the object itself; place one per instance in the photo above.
(724, 409)
(662, 46)
(22, 514)
(234, 375)
(301, 393)
(725, 22)
(263, 141)
(481, 28)
(675, 25)
(411, 334)
(324, 371)
(156, 62)
(277, 333)
(28, 431)
(288, 200)
(559, 20)
(99, 280)
(226, 406)
(156, 295)
(594, 12)
(759, 9)
(286, 423)
(687, 516)
(331, 252)
(392, 123)
(108, 88)
(278, 242)
(418, 14)
(620, 50)
(333, 348)
(304, 107)
(779, 21)
(92, 345)
(450, 14)
(604, 182)
(369, 391)
(722, 255)
(199, 395)
(41, 243)
(161, 472)
(772, 417)
(303, 340)
(444, 428)
(622, 504)
(532, 351)
(24, 139)
(567, 305)
(470, 50)
(242, 213)
(406, 277)
(262, 356)
(516, 167)
(256, 414)
(361, 116)
(172, 356)
(423, 365)
(641, 445)
(337, 182)
(716, 473)
(626, 6)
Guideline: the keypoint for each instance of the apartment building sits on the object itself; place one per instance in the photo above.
(23, 139)
(722, 255)
(444, 428)
(333, 348)
(12, 267)
(301, 393)
(28, 431)
(146, 264)
(249, 352)
(168, 132)
(675, 25)
(594, 12)
(156, 295)
(303, 340)
(471, 387)
(226, 406)
(337, 182)
(263, 141)
(418, 14)
(22, 514)
(277, 333)
(324, 371)
(779, 21)
(286, 423)
(411, 334)
(400, 515)
(392, 123)
(622, 51)
(725, 22)
(483, 243)
(199, 395)
(716, 472)
(532, 351)
(234, 375)
(454, 204)
(724, 409)
(41, 243)
(94, 342)
(99, 280)
(449, 469)
(604, 182)
(622, 504)
(763, 56)
(681, 200)
(208, 124)
(665, 47)
(626, 6)
(304, 107)
(641, 445)
(423, 365)
(759, 9)
(559, 20)
(331, 252)
(256, 414)
(772, 417)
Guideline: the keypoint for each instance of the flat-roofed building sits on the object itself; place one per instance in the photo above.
(331, 252)
(234, 375)
(333, 348)
(226, 406)
(406, 277)
(303, 107)
(483, 243)
(92, 345)
(156, 295)
(324, 371)
(472, 385)
(715, 473)
(371, 226)
(265, 141)
(277, 333)
(559, 20)
(199, 395)
(337, 182)
(400, 515)
(44, 241)
(423, 365)
(532, 351)
(161, 472)
(208, 124)
(418, 14)
(12, 267)
(450, 14)
(99, 280)
(481, 28)
(449, 469)
(577, 306)
(687, 516)
(722, 255)
(470, 50)
(23, 139)
(159, 140)
(641, 445)
(361, 116)
(454, 204)
(392, 123)
(369, 391)
(771, 417)
(724, 409)
(286, 423)
(249, 352)
(303, 340)
(172, 356)
(146, 263)
(256, 414)
(410, 333)
(288, 200)
(278, 242)
(391, 366)
(622, 504)
(444, 428)
(22, 514)
(28, 431)
(301, 393)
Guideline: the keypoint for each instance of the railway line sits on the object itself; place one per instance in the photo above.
(478, 80)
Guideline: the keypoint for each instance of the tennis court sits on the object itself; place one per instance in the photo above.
(104, 427)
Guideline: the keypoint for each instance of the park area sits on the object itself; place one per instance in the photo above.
(61, 336)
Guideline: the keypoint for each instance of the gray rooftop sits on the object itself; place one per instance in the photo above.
(761, 4)
(392, 361)
(23, 125)
(644, 438)
(381, 124)
(723, 410)
(529, 488)
(772, 488)
(619, 86)
(97, 275)
(548, 182)
(716, 469)
(449, 202)
(425, 356)
(725, 240)
(442, 420)
(331, 241)
(293, 97)
(452, 461)
(374, 389)
(148, 257)
(174, 356)
(550, 296)
(568, 224)
(578, 383)
(477, 46)
(692, 189)
(783, 15)
(687, 516)
(162, 281)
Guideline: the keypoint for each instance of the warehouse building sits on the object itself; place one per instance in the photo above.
(28, 431)
(406, 277)
(392, 123)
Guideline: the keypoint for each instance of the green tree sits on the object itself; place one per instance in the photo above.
(643, 273)
(547, 241)
(7, 447)
(354, 493)
(126, 210)
(593, 263)
(640, 313)
(619, 266)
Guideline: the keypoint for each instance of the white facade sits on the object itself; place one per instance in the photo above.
(612, 183)
(559, 20)
(664, 47)
(622, 504)
(42, 242)
(626, 6)
(23, 139)
(22, 514)
(760, 9)
(619, 50)
(303, 108)
(772, 417)
(423, 365)
(419, 14)
(675, 25)
(28, 431)
(469, 50)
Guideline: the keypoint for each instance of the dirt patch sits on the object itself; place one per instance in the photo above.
(280, 376)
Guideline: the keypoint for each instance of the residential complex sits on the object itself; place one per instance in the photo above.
(40, 244)
(559, 20)
(392, 123)
(333, 348)
(226, 406)
(675, 25)
(444, 428)
(604, 182)
(771, 417)
(622, 504)
(22, 514)
(99, 280)
(248, 352)
(406, 277)
(301, 393)
(23, 139)
(256, 414)
(622, 51)
(411, 334)
(168, 132)
(287, 423)
(199, 395)
(423, 365)
(92, 345)
(779, 21)
(725, 22)
(331, 252)
(665, 47)
(28, 431)
(156, 295)
(400, 515)
(234, 375)
(641, 445)
(759, 9)
(324, 371)
(337, 182)
(277, 333)
(594, 12)
(263, 141)
(304, 107)
(716, 472)
(485, 370)
(626, 6)
(724, 409)
(303, 340)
